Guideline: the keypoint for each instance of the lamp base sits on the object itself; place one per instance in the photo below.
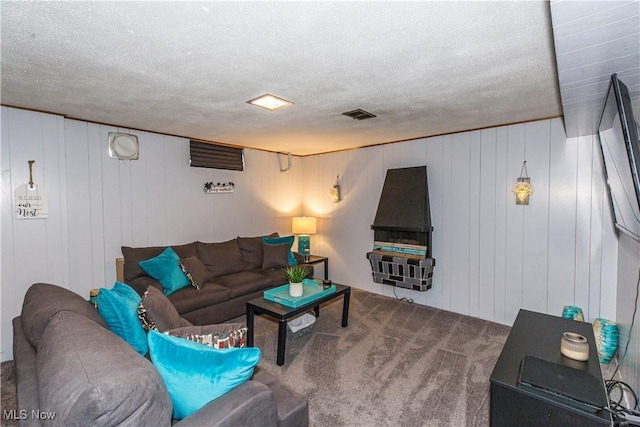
(304, 243)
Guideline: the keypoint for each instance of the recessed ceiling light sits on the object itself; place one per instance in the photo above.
(270, 102)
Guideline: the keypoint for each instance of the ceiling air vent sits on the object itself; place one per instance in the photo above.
(359, 114)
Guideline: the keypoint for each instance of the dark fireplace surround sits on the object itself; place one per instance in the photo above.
(402, 253)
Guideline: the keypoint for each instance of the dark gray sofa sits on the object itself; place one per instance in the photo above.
(69, 363)
(239, 269)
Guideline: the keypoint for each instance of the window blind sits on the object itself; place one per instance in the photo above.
(205, 155)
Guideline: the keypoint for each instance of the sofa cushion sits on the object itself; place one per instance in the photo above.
(221, 335)
(132, 256)
(276, 276)
(43, 300)
(104, 383)
(119, 308)
(196, 271)
(251, 250)
(275, 256)
(221, 258)
(190, 298)
(166, 269)
(244, 282)
(196, 374)
(278, 240)
(160, 311)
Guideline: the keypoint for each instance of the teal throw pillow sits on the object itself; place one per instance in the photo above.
(195, 374)
(119, 309)
(165, 268)
(279, 240)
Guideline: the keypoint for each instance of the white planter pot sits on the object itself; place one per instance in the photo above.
(295, 289)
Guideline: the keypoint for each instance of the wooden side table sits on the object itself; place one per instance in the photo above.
(315, 259)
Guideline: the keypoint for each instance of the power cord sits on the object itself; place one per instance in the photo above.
(622, 416)
(409, 300)
(616, 405)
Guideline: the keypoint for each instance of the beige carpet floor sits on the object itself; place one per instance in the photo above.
(395, 364)
(8, 392)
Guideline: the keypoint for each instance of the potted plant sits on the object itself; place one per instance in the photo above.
(295, 274)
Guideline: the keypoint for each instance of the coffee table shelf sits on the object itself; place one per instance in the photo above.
(282, 313)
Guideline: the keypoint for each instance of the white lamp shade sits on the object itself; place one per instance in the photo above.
(303, 225)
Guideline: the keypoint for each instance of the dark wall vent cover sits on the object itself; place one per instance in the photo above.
(205, 155)
(359, 114)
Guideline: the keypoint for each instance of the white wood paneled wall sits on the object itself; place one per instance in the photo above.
(97, 204)
(493, 257)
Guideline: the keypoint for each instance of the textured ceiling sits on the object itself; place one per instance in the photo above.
(188, 68)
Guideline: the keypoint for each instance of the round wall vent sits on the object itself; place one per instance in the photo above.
(123, 146)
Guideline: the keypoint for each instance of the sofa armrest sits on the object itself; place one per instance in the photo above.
(140, 284)
(250, 404)
(298, 256)
(120, 269)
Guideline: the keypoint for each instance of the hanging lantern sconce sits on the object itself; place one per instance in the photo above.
(522, 188)
(334, 192)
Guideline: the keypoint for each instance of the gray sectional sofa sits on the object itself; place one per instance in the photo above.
(237, 270)
(69, 364)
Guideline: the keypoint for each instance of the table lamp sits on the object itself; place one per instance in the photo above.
(303, 226)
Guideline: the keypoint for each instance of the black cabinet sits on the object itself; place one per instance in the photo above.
(538, 335)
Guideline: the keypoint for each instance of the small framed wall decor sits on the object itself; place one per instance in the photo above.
(31, 200)
(211, 188)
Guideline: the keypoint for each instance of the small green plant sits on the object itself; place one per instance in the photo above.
(295, 273)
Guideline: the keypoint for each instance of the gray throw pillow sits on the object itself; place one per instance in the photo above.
(159, 310)
(196, 271)
(275, 256)
(251, 250)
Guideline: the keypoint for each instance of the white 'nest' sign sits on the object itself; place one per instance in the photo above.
(31, 202)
